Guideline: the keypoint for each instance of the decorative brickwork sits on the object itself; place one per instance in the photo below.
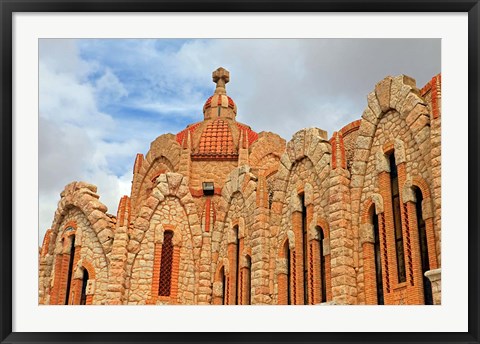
(315, 220)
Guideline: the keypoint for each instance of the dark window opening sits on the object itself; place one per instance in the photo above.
(208, 188)
(166, 262)
(323, 279)
(378, 260)
(422, 234)
(305, 247)
(83, 297)
(237, 264)
(248, 282)
(224, 282)
(287, 257)
(70, 268)
(397, 220)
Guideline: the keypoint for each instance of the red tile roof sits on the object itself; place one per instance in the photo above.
(216, 142)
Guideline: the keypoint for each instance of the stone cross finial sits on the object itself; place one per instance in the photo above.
(221, 76)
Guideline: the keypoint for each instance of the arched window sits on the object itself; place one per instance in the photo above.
(165, 279)
(323, 278)
(378, 259)
(422, 235)
(305, 249)
(397, 220)
(83, 297)
(70, 268)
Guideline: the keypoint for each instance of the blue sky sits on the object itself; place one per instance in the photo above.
(102, 101)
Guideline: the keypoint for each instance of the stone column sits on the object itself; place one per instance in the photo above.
(118, 256)
(344, 284)
(435, 277)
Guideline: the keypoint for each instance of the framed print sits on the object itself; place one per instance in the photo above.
(260, 172)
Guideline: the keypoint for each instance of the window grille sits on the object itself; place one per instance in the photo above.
(165, 281)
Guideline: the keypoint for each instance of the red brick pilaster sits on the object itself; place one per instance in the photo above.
(297, 261)
(414, 276)
(387, 237)
(232, 278)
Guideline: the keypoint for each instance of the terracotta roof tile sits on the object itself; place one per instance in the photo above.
(216, 141)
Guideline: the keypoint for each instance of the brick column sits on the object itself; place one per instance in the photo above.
(54, 296)
(232, 278)
(387, 237)
(414, 269)
(367, 241)
(297, 262)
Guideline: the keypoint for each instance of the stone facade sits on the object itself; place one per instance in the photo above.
(220, 214)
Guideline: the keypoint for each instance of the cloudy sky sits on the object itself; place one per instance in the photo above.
(102, 101)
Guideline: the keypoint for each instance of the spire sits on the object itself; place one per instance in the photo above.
(221, 76)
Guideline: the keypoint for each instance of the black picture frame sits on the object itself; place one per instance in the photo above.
(9, 7)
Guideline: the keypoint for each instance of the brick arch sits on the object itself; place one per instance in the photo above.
(168, 185)
(270, 172)
(281, 251)
(164, 154)
(267, 144)
(218, 287)
(217, 276)
(46, 242)
(321, 222)
(148, 174)
(422, 185)
(315, 263)
(311, 143)
(86, 264)
(399, 94)
(427, 207)
(83, 196)
(367, 210)
(77, 281)
(240, 181)
(373, 200)
(174, 255)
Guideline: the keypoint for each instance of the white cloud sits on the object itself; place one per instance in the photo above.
(278, 85)
(74, 135)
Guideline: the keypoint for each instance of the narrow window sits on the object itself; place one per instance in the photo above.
(166, 261)
(224, 282)
(287, 257)
(323, 279)
(70, 268)
(248, 281)
(237, 264)
(397, 220)
(422, 235)
(83, 298)
(378, 261)
(305, 245)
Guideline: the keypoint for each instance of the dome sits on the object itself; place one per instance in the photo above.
(220, 100)
(216, 141)
(219, 135)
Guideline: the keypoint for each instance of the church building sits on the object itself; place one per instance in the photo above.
(219, 214)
